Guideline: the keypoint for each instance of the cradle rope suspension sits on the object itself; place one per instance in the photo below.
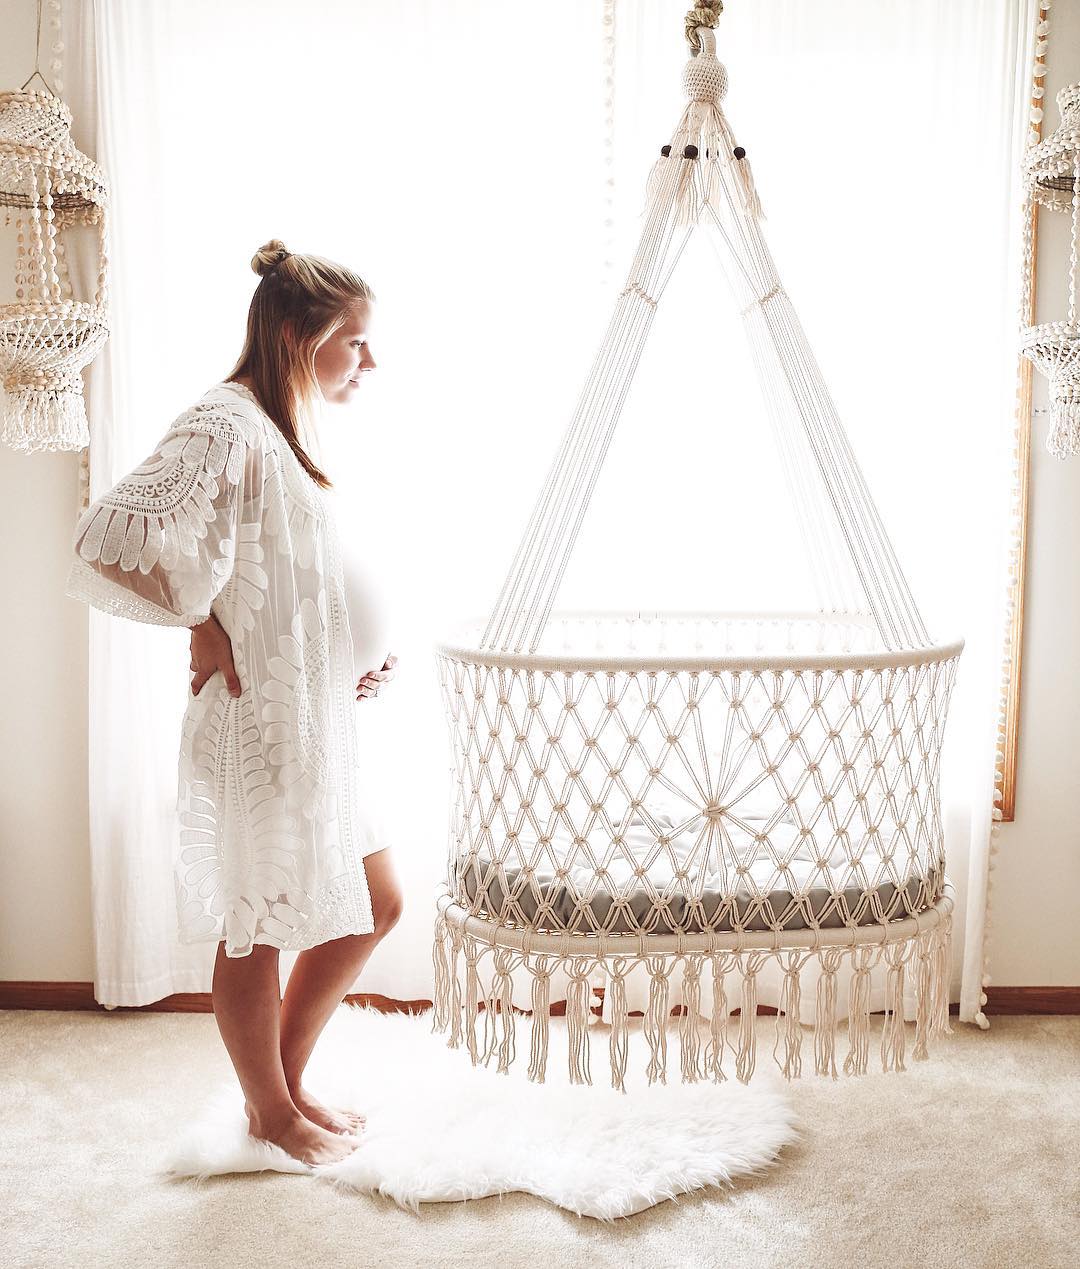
(777, 337)
(578, 460)
(703, 180)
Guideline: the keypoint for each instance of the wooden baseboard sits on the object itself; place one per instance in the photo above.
(29, 995)
(1048, 1000)
(46, 995)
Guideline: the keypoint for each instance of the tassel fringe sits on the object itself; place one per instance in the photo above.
(859, 1014)
(747, 1054)
(540, 1009)
(461, 970)
(45, 419)
(620, 1033)
(689, 1040)
(578, 992)
(699, 180)
(892, 1028)
(1063, 436)
(825, 1019)
(656, 1019)
(788, 1023)
(714, 1054)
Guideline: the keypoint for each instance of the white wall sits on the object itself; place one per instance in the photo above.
(45, 930)
(1036, 880)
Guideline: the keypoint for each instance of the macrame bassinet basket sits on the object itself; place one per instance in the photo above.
(717, 799)
(50, 327)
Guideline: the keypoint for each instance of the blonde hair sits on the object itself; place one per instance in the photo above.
(299, 303)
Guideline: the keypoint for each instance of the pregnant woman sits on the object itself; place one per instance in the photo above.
(229, 528)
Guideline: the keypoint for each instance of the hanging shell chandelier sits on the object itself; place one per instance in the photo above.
(1052, 179)
(52, 323)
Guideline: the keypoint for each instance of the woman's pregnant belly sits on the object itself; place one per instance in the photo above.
(369, 615)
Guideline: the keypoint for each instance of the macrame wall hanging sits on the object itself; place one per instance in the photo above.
(53, 310)
(717, 796)
(1052, 180)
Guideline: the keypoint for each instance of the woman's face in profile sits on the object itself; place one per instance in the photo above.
(345, 356)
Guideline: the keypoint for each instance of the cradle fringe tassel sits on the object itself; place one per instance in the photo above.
(825, 1018)
(718, 1022)
(541, 988)
(578, 992)
(922, 997)
(788, 1023)
(619, 1048)
(457, 959)
(501, 995)
(472, 997)
(689, 1040)
(491, 1033)
(859, 1013)
(456, 938)
(939, 1015)
(747, 1055)
(892, 1027)
(441, 999)
(656, 1016)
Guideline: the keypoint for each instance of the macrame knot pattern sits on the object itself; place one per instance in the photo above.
(705, 79)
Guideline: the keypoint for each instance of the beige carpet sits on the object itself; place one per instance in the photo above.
(970, 1159)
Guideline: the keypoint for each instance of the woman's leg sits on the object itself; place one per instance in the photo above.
(321, 978)
(247, 1010)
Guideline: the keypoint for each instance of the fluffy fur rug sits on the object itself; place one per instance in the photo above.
(439, 1129)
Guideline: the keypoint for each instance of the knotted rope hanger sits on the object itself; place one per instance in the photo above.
(703, 177)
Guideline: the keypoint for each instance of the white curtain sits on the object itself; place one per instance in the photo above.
(483, 166)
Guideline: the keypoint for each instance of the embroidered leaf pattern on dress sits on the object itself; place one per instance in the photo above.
(271, 830)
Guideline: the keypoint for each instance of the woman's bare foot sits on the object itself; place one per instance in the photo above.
(299, 1137)
(333, 1118)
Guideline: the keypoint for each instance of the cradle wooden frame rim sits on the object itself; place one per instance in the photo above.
(603, 946)
(649, 662)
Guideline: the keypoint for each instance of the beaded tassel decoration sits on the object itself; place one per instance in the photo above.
(1052, 180)
(54, 200)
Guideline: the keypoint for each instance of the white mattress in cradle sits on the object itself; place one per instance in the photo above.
(843, 893)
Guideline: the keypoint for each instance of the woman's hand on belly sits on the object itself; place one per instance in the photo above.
(370, 683)
(211, 650)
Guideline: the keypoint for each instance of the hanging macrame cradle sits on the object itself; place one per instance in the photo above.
(707, 799)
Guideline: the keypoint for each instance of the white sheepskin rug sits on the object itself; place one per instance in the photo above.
(439, 1129)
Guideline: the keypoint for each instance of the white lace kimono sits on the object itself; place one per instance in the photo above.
(223, 516)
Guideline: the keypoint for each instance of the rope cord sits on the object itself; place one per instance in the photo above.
(850, 553)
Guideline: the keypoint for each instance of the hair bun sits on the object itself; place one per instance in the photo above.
(268, 255)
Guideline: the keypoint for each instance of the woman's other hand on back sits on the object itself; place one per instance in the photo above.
(211, 650)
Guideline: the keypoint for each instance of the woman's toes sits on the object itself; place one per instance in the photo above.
(332, 1120)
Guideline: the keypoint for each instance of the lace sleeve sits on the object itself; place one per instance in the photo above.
(160, 545)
